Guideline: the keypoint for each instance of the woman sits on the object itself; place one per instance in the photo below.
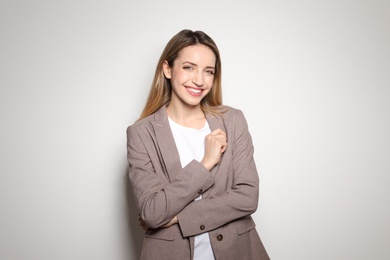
(191, 161)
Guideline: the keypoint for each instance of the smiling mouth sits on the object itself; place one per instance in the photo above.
(194, 91)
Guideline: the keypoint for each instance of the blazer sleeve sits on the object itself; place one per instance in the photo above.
(159, 200)
(238, 201)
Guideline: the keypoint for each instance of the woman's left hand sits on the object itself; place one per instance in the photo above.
(142, 223)
(170, 223)
(145, 227)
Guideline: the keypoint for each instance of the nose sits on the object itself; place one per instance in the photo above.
(198, 79)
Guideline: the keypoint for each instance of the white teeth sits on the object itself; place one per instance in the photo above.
(194, 90)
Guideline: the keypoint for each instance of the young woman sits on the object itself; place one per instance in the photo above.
(191, 161)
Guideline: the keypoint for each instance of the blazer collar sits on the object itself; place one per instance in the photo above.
(166, 142)
(161, 117)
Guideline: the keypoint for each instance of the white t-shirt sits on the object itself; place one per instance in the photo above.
(190, 145)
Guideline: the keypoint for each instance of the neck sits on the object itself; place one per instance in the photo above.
(187, 116)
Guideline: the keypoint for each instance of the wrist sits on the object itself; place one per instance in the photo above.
(207, 165)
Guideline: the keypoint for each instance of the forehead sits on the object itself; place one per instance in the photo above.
(199, 54)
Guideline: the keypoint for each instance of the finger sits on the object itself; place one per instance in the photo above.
(218, 131)
(223, 149)
(218, 140)
(217, 137)
(141, 222)
(143, 225)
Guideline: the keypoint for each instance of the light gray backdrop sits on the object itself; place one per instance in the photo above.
(312, 77)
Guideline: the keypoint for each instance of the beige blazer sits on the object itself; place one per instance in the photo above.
(163, 189)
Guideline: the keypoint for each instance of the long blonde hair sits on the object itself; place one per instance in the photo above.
(160, 92)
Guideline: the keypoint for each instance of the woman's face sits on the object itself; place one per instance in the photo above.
(191, 75)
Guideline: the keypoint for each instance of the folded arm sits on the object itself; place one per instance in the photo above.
(241, 199)
(158, 199)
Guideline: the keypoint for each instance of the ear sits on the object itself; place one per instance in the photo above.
(167, 70)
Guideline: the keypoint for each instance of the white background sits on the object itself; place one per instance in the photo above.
(312, 78)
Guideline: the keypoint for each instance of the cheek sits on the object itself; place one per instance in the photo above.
(209, 80)
(178, 75)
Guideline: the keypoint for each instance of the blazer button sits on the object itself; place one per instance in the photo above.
(219, 237)
(200, 191)
(202, 227)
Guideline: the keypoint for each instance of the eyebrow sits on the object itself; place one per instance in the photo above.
(194, 64)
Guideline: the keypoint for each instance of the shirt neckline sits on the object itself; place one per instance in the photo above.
(206, 126)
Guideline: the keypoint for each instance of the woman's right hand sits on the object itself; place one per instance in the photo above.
(215, 146)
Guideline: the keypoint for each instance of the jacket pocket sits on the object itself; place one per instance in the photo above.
(167, 234)
(244, 225)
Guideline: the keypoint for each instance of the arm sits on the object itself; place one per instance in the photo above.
(159, 200)
(238, 201)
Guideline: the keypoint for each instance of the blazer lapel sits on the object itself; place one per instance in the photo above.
(215, 122)
(166, 144)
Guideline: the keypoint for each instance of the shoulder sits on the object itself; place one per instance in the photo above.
(231, 114)
(145, 123)
(234, 120)
(138, 125)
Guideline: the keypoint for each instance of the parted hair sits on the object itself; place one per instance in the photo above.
(161, 91)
